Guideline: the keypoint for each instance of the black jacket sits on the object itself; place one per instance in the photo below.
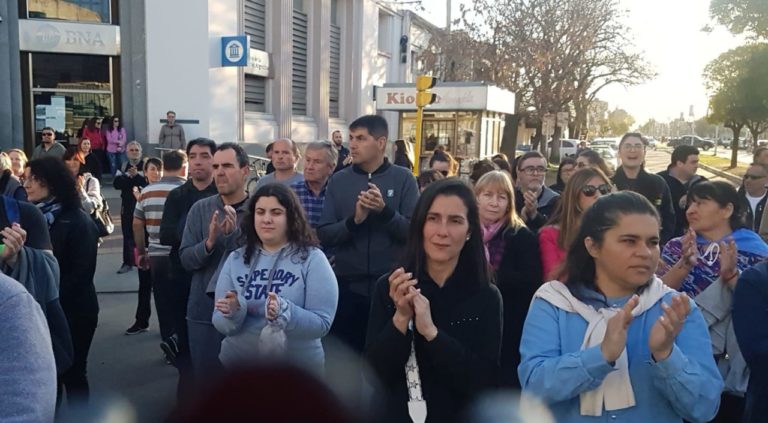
(343, 154)
(74, 237)
(519, 275)
(177, 205)
(753, 220)
(679, 193)
(125, 184)
(93, 166)
(455, 367)
(402, 160)
(655, 189)
(548, 200)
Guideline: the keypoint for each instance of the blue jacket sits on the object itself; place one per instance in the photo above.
(750, 305)
(686, 385)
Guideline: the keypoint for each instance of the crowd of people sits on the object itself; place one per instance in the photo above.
(613, 294)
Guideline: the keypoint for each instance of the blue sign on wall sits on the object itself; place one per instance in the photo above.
(234, 51)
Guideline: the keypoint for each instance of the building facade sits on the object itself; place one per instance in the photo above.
(312, 68)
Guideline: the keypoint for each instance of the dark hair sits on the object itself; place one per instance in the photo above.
(502, 163)
(92, 123)
(174, 160)
(73, 153)
(723, 194)
(111, 123)
(300, 234)
(501, 156)
(480, 168)
(155, 162)
(565, 162)
(205, 142)
(376, 125)
(636, 135)
(529, 155)
(596, 160)
(758, 152)
(472, 255)
(270, 146)
(438, 156)
(602, 216)
(681, 153)
(400, 147)
(240, 154)
(169, 112)
(51, 173)
(428, 176)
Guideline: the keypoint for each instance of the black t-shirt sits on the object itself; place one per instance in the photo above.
(31, 220)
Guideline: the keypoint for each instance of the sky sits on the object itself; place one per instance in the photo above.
(668, 33)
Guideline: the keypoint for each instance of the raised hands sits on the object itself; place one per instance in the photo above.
(729, 273)
(367, 201)
(402, 293)
(217, 227)
(228, 305)
(615, 340)
(666, 328)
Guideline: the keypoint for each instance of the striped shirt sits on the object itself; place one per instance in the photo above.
(150, 207)
(313, 205)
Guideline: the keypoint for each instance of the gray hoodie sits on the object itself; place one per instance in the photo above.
(201, 263)
(308, 296)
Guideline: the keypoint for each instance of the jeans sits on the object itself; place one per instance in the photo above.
(116, 161)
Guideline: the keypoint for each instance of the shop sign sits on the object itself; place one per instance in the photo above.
(448, 98)
(67, 37)
(258, 63)
(234, 51)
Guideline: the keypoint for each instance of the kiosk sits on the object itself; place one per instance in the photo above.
(467, 117)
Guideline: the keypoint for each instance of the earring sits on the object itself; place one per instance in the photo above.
(468, 237)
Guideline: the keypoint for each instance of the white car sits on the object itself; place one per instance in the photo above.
(568, 147)
(608, 154)
(611, 142)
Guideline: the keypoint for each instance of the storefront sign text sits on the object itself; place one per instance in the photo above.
(67, 37)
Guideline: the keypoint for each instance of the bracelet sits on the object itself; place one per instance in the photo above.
(734, 275)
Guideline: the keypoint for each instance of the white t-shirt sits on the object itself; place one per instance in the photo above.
(753, 202)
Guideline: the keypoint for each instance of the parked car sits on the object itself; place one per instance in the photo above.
(693, 140)
(611, 142)
(568, 147)
(608, 154)
(652, 142)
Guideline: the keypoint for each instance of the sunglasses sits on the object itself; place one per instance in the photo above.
(444, 172)
(47, 134)
(748, 176)
(591, 190)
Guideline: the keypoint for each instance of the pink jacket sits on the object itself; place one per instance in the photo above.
(551, 254)
(116, 140)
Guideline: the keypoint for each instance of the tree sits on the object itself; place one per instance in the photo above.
(619, 122)
(748, 17)
(597, 118)
(724, 108)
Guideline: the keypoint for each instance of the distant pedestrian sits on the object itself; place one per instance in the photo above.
(755, 195)
(564, 172)
(87, 186)
(116, 141)
(268, 152)
(129, 177)
(18, 162)
(534, 201)
(344, 159)
(48, 145)
(427, 177)
(319, 164)
(680, 176)
(172, 133)
(402, 154)
(10, 185)
(592, 159)
(92, 163)
(94, 133)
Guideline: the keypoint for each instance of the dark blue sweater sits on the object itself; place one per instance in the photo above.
(750, 314)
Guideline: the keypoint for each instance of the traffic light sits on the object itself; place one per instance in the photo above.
(423, 96)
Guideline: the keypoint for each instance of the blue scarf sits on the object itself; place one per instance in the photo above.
(50, 208)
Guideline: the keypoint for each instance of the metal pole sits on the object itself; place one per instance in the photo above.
(417, 156)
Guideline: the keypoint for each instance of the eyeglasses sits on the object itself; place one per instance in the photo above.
(591, 190)
(533, 170)
(750, 176)
(632, 147)
(47, 134)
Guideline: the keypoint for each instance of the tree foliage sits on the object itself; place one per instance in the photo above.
(619, 122)
(749, 17)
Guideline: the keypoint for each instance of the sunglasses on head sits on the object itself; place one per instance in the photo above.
(591, 190)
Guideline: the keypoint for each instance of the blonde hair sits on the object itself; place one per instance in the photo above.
(5, 161)
(568, 213)
(499, 181)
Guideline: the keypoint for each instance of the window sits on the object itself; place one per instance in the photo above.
(385, 31)
(335, 69)
(70, 71)
(70, 10)
(255, 22)
(300, 58)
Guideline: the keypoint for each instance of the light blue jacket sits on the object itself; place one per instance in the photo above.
(308, 293)
(686, 385)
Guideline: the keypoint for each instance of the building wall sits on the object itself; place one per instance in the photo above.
(11, 120)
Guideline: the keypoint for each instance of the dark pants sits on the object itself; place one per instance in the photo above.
(126, 223)
(75, 381)
(163, 290)
(731, 409)
(351, 321)
(144, 308)
(179, 293)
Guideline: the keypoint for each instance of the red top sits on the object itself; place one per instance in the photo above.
(96, 138)
(551, 254)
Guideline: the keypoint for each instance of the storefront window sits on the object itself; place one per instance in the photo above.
(70, 10)
(70, 71)
(468, 134)
(66, 111)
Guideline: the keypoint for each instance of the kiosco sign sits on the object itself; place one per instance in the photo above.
(448, 98)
